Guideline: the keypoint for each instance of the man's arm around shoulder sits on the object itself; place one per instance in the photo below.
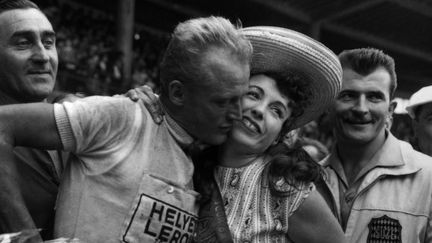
(25, 125)
(30, 125)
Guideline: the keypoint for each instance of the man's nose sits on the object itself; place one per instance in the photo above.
(361, 105)
(40, 54)
(235, 111)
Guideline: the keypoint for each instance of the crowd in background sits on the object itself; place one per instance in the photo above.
(304, 155)
(89, 64)
(88, 60)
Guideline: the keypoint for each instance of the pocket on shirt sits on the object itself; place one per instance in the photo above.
(161, 211)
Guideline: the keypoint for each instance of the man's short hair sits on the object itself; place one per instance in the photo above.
(189, 42)
(364, 61)
(6, 5)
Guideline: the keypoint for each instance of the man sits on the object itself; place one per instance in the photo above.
(420, 110)
(130, 179)
(378, 186)
(28, 68)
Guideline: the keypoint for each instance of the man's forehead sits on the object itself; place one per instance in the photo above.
(224, 71)
(376, 80)
(227, 89)
(22, 20)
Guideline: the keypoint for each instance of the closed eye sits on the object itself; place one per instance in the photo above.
(253, 95)
(278, 112)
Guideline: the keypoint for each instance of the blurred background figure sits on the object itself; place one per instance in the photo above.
(316, 150)
(309, 138)
(420, 110)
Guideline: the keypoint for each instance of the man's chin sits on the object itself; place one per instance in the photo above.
(356, 136)
(215, 139)
(39, 95)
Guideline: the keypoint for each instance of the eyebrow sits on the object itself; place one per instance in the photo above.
(376, 93)
(348, 91)
(352, 91)
(285, 107)
(45, 33)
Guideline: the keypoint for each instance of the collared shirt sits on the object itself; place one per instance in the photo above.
(348, 192)
(391, 199)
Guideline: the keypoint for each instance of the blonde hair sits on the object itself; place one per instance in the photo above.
(194, 37)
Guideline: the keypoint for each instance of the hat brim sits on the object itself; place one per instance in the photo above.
(411, 109)
(280, 50)
(419, 98)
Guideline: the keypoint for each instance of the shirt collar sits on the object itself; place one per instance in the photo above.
(390, 153)
(334, 162)
(390, 156)
(180, 135)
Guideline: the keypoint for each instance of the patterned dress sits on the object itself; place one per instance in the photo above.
(253, 213)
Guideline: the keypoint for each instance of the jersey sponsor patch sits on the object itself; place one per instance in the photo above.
(157, 221)
(384, 230)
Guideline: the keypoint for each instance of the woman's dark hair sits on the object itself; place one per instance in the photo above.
(293, 165)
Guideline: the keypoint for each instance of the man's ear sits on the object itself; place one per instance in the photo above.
(392, 106)
(176, 92)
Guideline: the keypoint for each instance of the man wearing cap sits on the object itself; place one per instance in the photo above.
(420, 110)
(130, 179)
(379, 187)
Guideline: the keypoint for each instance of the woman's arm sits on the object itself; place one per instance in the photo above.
(314, 222)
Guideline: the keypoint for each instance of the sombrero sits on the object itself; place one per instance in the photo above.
(278, 49)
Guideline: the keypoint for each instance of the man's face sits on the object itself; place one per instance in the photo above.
(360, 109)
(212, 106)
(28, 55)
(423, 128)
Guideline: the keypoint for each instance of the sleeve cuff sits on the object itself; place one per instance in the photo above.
(64, 127)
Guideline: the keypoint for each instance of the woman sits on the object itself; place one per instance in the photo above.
(267, 189)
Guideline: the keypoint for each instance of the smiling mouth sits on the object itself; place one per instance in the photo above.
(358, 125)
(359, 122)
(250, 125)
